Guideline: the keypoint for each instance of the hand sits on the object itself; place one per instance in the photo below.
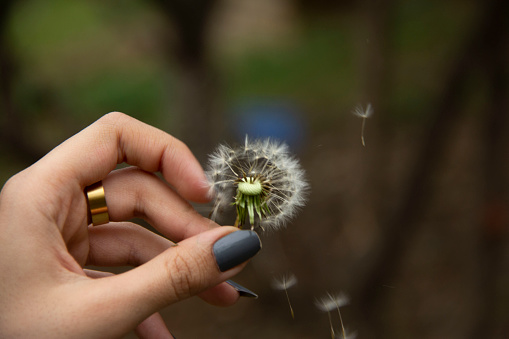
(45, 239)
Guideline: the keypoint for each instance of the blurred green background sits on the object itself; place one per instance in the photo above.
(414, 226)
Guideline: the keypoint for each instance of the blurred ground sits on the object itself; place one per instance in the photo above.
(414, 226)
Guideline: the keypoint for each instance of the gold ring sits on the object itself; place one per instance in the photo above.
(97, 208)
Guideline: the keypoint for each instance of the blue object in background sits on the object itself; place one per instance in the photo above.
(279, 120)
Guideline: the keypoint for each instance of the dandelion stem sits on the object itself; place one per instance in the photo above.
(331, 327)
(362, 131)
(342, 326)
(289, 304)
(232, 169)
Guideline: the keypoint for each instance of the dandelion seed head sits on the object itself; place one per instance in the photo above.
(330, 302)
(325, 304)
(258, 162)
(341, 299)
(284, 282)
(362, 112)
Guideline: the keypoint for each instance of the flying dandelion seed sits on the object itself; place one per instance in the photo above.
(325, 305)
(284, 283)
(330, 302)
(348, 335)
(261, 179)
(340, 300)
(364, 114)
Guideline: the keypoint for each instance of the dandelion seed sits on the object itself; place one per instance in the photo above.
(348, 335)
(341, 300)
(261, 179)
(330, 302)
(364, 114)
(324, 304)
(284, 283)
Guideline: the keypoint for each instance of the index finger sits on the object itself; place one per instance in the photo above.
(115, 138)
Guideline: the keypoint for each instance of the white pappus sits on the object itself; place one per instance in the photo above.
(284, 283)
(330, 302)
(264, 182)
(363, 114)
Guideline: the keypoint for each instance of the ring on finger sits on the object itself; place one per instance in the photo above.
(97, 207)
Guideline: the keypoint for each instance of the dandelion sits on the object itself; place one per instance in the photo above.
(330, 302)
(364, 114)
(261, 179)
(284, 283)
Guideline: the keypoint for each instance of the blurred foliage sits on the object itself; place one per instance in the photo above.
(89, 58)
(321, 59)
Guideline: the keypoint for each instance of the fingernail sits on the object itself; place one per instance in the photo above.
(243, 292)
(235, 248)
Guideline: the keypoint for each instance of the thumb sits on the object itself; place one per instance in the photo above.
(194, 265)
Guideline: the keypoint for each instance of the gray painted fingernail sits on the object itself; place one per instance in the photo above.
(243, 292)
(235, 248)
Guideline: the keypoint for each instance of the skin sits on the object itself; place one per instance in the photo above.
(45, 240)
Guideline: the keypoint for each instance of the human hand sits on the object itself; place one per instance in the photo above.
(45, 239)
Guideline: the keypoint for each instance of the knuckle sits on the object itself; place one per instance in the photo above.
(114, 117)
(114, 120)
(16, 186)
(143, 184)
(13, 184)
